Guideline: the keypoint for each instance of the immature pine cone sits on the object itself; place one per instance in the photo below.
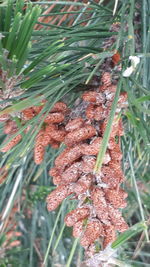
(99, 195)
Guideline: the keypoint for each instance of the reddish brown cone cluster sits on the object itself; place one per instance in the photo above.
(11, 128)
(52, 131)
(97, 216)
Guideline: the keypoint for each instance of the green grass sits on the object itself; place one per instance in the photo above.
(59, 61)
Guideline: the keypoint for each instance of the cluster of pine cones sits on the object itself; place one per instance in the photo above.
(97, 217)
(99, 195)
(52, 132)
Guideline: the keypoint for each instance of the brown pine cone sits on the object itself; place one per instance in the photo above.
(68, 156)
(72, 173)
(100, 204)
(106, 79)
(12, 143)
(83, 184)
(28, 114)
(78, 228)
(93, 97)
(116, 197)
(117, 219)
(79, 135)
(56, 117)
(74, 124)
(109, 236)
(59, 107)
(76, 215)
(93, 231)
(39, 149)
(55, 198)
(10, 127)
